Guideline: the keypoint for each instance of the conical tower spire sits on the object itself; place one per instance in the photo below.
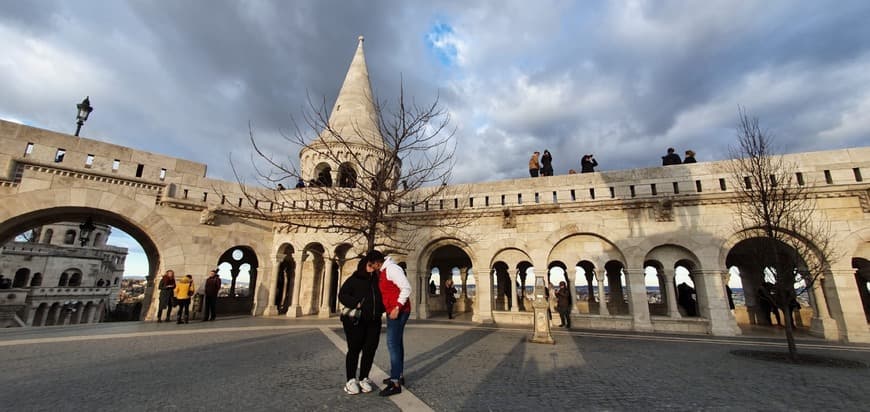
(354, 115)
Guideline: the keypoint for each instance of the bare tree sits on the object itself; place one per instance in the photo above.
(791, 240)
(392, 178)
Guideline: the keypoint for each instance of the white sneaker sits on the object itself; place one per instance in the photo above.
(365, 385)
(352, 387)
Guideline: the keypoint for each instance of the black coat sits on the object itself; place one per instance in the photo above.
(362, 288)
(588, 166)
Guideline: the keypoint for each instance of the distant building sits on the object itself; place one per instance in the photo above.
(66, 282)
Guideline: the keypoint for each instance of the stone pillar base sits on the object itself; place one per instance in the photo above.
(825, 328)
(323, 313)
(423, 311)
(294, 311)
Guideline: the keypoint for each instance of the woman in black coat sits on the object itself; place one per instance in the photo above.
(547, 164)
(361, 291)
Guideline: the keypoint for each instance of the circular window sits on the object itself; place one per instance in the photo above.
(238, 254)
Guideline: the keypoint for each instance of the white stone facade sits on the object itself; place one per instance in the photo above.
(66, 282)
(615, 224)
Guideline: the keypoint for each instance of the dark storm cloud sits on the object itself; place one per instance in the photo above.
(621, 80)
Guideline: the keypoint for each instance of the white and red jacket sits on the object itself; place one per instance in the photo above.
(394, 285)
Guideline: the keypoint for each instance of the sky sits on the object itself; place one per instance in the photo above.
(623, 80)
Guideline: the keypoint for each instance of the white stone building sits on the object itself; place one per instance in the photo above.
(68, 278)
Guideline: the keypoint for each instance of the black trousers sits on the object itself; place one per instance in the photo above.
(362, 337)
(183, 309)
(565, 317)
(450, 309)
(164, 304)
(210, 308)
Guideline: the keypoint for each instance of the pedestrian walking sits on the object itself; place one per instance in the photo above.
(534, 165)
(449, 297)
(167, 289)
(361, 291)
(395, 294)
(183, 291)
(212, 287)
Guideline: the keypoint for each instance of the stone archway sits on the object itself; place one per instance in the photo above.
(449, 258)
(757, 281)
(22, 216)
(237, 268)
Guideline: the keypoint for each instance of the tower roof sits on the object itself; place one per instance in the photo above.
(354, 115)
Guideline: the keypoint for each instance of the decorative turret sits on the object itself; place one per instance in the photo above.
(354, 118)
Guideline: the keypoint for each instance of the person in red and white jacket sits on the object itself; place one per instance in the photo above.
(396, 294)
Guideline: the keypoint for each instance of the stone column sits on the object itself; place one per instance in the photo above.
(271, 309)
(423, 307)
(295, 310)
(822, 324)
(573, 288)
(673, 311)
(30, 315)
(328, 285)
(602, 298)
(712, 284)
(515, 304)
(638, 300)
(483, 310)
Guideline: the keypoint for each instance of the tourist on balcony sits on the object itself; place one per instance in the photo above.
(449, 297)
(563, 305)
(588, 164)
(167, 288)
(547, 164)
(534, 165)
(361, 291)
(690, 157)
(671, 158)
(183, 291)
(212, 287)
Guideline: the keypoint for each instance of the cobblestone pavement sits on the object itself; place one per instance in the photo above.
(279, 364)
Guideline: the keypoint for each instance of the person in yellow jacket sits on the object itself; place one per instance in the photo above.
(183, 291)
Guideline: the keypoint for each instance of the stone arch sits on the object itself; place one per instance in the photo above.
(69, 238)
(22, 276)
(342, 263)
(138, 219)
(239, 265)
(323, 174)
(49, 233)
(75, 277)
(666, 259)
(286, 277)
(758, 284)
(585, 245)
(39, 316)
(36, 280)
(63, 280)
(508, 267)
(446, 254)
(862, 280)
(347, 175)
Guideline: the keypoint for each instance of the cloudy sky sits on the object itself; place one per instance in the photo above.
(621, 79)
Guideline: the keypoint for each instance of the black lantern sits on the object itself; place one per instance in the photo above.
(85, 230)
(85, 110)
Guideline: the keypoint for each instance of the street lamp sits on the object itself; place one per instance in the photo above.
(85, 230)
(85, 110)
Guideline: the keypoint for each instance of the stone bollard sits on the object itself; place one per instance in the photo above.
(542, 321)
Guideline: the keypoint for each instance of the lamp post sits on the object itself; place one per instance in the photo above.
(85, 230)
(85, 110)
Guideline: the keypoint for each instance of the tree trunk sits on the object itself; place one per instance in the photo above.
(789, 333)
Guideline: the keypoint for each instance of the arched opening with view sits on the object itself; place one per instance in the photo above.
(29, 237)
(237, 268)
